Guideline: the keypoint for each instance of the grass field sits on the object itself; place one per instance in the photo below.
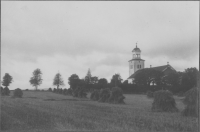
(40, 111)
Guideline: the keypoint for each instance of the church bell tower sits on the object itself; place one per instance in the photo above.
(136, 63)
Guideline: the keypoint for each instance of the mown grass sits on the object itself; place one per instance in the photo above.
(40, 111)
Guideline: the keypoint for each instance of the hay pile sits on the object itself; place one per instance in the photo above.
(113, 95)
(191, 102)
(79, 92)
(164, 101)
(104, 95)
(95, 95)
(116, 96)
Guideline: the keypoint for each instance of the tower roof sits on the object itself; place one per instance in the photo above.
(136, 49)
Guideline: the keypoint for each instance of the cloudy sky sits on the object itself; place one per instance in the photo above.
(71, 37)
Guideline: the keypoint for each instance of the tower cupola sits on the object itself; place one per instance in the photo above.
(136, 52)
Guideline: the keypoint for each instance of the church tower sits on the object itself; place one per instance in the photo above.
(136, 62)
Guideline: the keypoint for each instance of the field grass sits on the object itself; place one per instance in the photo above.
(40, 111)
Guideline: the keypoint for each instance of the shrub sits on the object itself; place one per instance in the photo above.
(116, 96)
(104, 95)
(191, 102)
(26, 89)
(18, 93)
(69, 91)
(95, 95)
(6, 91)
(150, 94)
(2, 91)
(50, 90)
(164, 101)
(64, 91)
(55, 90)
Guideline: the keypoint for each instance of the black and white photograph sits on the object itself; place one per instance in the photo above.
(106, 66)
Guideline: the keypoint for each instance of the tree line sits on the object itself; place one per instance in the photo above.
(145, 80)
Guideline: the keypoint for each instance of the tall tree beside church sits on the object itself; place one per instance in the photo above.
(7, 79)
(36, 79)
(88, 77)
(58, 81)
(189, 78)
(116, 80)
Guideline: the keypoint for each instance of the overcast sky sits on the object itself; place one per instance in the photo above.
(73, 36)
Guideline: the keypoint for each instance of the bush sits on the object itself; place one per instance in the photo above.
(50, 90)
(2, 91)
(150, 94)
(116, 96)
(6, 91)
(64, 91)
(104, 95)
(95, 95)
(26, 89)
(55, 90)
(191, 102)
(18, 93)
(69, 91)
(164, 101)
(80, 92)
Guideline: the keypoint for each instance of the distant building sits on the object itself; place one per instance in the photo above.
(136, 63)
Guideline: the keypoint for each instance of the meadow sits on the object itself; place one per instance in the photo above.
(47, 111)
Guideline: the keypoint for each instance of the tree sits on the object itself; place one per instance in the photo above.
(189, 78)
(36, 80)
(7, 79)
(73, 81)
(94, 80)
(88, 77)
(102, 83)
(147, 76)
(116, 80)
(58, 81)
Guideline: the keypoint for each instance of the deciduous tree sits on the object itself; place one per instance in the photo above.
(7, 79)
(58, 81)
(36, 79)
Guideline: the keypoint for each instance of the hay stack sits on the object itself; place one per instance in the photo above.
(116, 96)
(164, 101)
(104, 95)
(95, 95)
(191, 102)
(79, 92)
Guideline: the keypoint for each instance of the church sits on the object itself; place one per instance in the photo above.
(136, 64)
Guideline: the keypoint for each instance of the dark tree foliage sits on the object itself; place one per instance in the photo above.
(150, 94)
(36, 79)
(18, 93)
(116, 80)
(55, 90)
(80, 92)
(147, 76)
(95, 95)
(73, 81)
(172, 79)
(102, 83)
(58, 81)
(7, 79)
(189, 79)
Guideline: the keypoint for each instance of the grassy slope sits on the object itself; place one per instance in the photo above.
(49, 111)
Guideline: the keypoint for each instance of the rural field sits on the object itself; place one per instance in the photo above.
(46, 111)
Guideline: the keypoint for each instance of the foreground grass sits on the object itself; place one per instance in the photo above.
(53, 112)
